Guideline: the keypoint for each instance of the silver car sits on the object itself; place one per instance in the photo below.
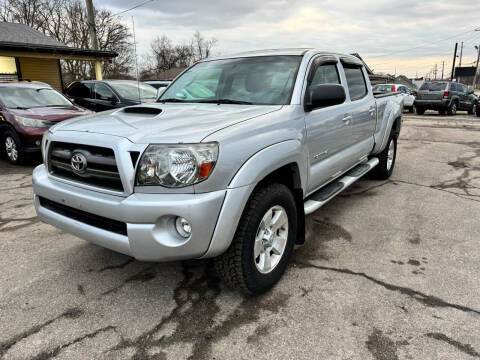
(226, 165)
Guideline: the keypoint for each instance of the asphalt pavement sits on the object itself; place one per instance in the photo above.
(390, 271)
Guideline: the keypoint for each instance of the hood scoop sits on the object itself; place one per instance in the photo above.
(142, 110)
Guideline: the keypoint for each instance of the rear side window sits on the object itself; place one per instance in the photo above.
(383, 88)
(79, 90)
(434, 86)
(356, 82)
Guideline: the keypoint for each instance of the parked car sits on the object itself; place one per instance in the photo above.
(408, 94)
(477, 109)
(226, 166)
(160, 85)
(101, 95)
(445, 97)
(27, 110)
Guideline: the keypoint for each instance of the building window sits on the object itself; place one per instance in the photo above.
(8, 68)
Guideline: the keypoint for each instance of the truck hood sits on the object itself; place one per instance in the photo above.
(175, 122)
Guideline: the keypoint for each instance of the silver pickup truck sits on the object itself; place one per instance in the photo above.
(226, 165)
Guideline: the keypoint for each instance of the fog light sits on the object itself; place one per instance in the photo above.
(37, 142)
(183, 227)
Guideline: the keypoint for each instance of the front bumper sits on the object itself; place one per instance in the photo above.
(149, 218)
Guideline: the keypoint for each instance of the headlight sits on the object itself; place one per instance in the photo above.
(36, 123)
(176, 165)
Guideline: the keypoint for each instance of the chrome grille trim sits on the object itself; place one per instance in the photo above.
(101, 170)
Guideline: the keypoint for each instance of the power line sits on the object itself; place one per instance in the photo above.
(425, 45)
(133, 8)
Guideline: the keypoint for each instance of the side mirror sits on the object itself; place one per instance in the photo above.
(113, 101)
(325, 95)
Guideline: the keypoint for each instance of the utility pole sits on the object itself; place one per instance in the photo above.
(91, 24)
(461, 53)
(476, 68)
(435, 72)
(454, 59)
(443, 67)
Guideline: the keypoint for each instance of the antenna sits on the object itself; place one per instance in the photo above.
(136, 62)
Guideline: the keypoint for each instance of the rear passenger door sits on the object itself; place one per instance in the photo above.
(325, 126)
(357, 138)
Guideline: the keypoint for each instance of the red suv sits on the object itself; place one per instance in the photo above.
(27, 110)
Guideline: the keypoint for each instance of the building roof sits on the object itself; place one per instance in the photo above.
(19, 37)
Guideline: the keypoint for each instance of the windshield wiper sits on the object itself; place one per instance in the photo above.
(171, 100)
(226, 101)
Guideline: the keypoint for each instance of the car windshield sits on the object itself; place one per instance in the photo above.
(434, 86)
(267, 80)
(383, 88)
(133, 90)
(26, 97)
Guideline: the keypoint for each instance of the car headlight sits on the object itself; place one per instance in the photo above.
(36, 123)
(176, 165)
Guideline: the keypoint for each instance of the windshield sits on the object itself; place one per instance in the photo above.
(25, 97)
(265, 80)
(131, 91)
(383, 88)
(434, 86)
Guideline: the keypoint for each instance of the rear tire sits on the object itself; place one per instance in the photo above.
(387, 157)
(411, 109)
(11, 146)
(452, 109)
(420, 110)
(245, 265)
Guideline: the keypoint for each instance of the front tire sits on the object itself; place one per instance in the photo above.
(11, 147)
(471, 111)
(387, 158)
(263, 243)
(411, 109)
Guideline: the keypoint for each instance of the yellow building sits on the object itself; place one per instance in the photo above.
(26, 53)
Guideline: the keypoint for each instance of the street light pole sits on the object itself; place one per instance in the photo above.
(476, 68)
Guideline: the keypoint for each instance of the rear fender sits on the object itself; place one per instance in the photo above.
(393, 111)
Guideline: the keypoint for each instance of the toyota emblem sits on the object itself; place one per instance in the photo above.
(78, 163)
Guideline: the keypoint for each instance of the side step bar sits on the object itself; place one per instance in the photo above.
(328, 192)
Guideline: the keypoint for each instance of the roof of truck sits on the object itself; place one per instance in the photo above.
(276, 52)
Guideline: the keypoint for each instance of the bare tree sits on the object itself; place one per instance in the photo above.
(167, 60)
(66, 21)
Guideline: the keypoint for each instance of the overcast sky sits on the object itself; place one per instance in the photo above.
(377, 29)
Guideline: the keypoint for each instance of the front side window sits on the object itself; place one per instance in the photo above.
(26, 98)
(356, 82)
(266, 80)
(133, 91)
(324, 74)
(103, 92)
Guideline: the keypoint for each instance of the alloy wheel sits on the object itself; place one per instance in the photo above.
(271, 239)
(11, 148)
(390, 155)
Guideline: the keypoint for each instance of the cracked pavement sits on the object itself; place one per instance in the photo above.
(390, 271)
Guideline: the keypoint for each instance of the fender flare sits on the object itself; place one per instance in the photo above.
(269, 159)
(382, 139)
(256, 168)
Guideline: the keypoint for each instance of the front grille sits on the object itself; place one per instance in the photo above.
(101, 222)
(101, 169)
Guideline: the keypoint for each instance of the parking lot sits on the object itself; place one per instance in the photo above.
(389, 271)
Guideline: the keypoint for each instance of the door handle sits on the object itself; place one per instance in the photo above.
(372, 111)
(347, 119)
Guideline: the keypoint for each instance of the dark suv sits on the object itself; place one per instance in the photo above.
(27, 110)
(100, 95)
(445, 97)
